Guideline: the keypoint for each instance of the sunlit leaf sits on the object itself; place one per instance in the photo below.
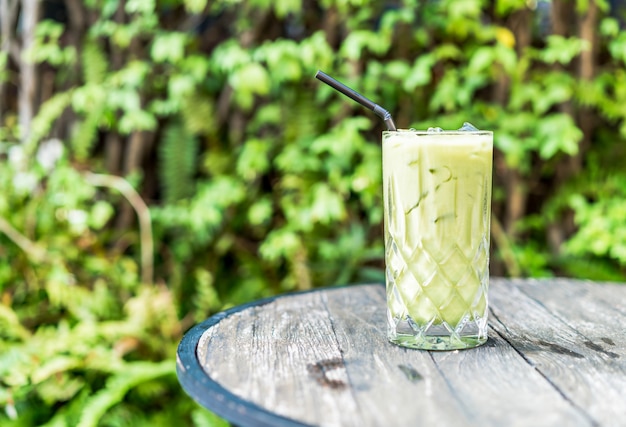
(169, 47)
(558, 132)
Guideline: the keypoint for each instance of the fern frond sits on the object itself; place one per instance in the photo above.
(301, 117)
(48, 113)
(207, 299)
(68, 414)
(198, 114)
(85, 134)
(178, 151)
(10, 324)
(131, 376)
(94, 63)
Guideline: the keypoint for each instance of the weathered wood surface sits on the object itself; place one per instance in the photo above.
(556, 356)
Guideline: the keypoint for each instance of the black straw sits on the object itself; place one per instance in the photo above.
(350, 93)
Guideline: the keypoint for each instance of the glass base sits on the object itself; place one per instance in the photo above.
(440, 342)
(467, 334)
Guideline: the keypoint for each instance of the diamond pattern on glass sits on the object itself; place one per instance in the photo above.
(430, 298)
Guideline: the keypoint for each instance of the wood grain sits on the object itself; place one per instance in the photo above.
(263, 355)
(573, 333)
(555, 357)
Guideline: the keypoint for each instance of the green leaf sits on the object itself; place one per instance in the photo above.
(133, 75)
(359, 40)
(448, 51)
(285, 7)
(327, 206)
(279, 244)
(421, 73)
(254, 160)
(515, 152)
(397, 69)
(505, 7)
(124, 99)
(446, 96)
(557, 88)
(482, 59)
(609, 27)
(315, 52)
(46, 46)
(282, 58)
(260, 212)
(195, 6)
(617, 47)
(507, 57)
(293, 159)
(88, 95)
(140, 6)
(180, 86)
(251, 78)
(466, 8)
(121, 35)
(137, 120)
(100, 214)
(197, 66)
(169, 47)
(558, 132)
(229, 56)
(562, 50)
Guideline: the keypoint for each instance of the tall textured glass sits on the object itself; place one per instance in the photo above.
(437, 204)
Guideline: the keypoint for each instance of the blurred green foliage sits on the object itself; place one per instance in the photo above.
(262, 180)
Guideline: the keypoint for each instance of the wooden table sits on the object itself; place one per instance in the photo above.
(556, 356)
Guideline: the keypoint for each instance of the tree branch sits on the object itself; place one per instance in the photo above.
(8, 14)
(76, 13)
(28, 85)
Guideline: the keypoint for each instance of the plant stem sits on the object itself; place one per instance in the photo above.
(32, 250)
(143, 215)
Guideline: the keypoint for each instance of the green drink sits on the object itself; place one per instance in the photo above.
(437, 202)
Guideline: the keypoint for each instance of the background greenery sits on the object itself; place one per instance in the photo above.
(163, 160)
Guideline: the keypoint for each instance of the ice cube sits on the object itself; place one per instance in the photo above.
(468, 127)
(437, 129)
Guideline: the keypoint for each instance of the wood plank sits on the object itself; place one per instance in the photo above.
(544, 322)
(596, 310)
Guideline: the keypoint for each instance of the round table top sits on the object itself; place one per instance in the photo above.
(555, 356)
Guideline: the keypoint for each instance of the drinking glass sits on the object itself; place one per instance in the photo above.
(437, 211)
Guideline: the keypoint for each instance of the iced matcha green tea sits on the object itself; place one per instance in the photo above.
(437, 203)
